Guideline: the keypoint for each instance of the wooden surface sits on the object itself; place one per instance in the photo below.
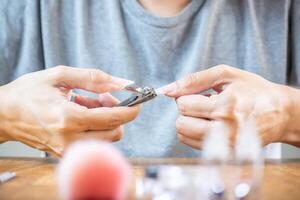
(36, 179)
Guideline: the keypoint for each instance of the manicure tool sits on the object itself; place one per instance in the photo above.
(140, 95)
(6, 176)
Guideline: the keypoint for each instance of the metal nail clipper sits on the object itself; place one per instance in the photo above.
(140, 95)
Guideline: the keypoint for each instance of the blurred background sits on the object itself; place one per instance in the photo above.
(17, 149)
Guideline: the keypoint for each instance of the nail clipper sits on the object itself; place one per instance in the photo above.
(140, 95)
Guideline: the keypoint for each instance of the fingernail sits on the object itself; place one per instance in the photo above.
(167, 90)
(121, 81)
(103, 96)
(107, 100)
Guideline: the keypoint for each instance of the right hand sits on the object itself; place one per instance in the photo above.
(35, 109)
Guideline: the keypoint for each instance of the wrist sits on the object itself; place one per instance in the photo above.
(291, 133)
(4, 136)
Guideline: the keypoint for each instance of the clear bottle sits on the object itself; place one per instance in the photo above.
(249, 160)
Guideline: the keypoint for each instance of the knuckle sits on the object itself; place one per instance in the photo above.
(118, 134)
(181, 138)
(191, 80)
(92, 75)
(179, 125)
(60, 69)
(225, 106)
(181, 106)
(114, 121)
(95, 75)
(59, 72)
(224, 70)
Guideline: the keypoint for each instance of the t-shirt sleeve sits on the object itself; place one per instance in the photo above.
(21, 49)
(294, 43)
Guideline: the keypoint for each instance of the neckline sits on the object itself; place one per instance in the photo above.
(136, 9)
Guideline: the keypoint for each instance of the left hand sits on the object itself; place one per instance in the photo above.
(238, 93)
(35, 109)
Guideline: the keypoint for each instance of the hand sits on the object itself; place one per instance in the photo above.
(35, 108)
(238, 94)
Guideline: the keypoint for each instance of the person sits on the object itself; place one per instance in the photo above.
(154, 43)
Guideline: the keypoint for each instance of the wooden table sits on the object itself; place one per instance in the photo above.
(36, 180)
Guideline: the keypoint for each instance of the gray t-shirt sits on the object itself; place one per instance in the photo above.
(123, 39)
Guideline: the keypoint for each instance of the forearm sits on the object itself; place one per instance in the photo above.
(292, 134)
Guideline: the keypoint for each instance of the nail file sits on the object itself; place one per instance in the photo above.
(6, 176)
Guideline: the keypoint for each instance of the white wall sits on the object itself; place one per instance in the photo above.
(289, 151)
(17, 149)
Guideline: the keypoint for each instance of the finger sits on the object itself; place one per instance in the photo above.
(87, 101)
(197, 106)
(93, 80)
(195, 128)
(107, 135)
(196, 144)
(200, 81)
(61, 142)
(105, 118)
(107, 100)
(110, 135)
(54, 153)
(104, 100)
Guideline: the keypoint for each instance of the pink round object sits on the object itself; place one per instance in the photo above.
(93, 170)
